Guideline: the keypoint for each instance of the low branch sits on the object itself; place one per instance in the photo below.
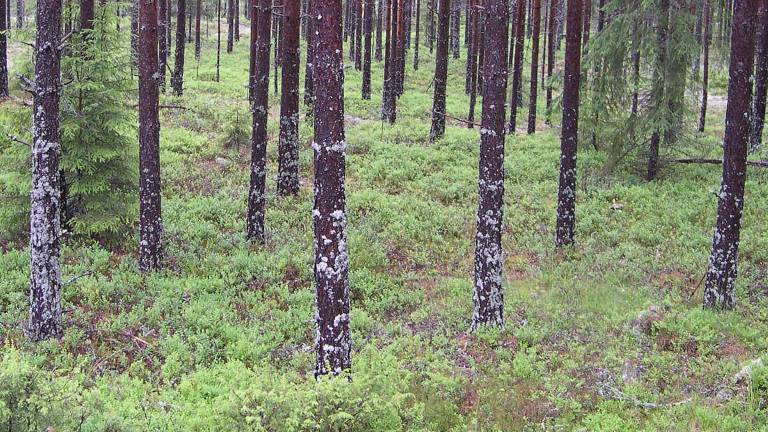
(14, 139)
(455, 118)
(758, 164)
(616, 394)
(75, 278)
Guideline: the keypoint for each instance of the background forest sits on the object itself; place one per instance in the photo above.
(215, 329)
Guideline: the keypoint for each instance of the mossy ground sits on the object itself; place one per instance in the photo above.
(222, 339)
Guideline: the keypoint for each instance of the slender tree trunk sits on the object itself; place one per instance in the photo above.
(566, 195)
(236, 13)
(86, 14)
(389, 109)
(536, 17)
(401, 48)
(474, 44)
(635, 68)
(20, 11)
(333, 344)
(162, 15)
(189, 27)
(707, 38)
(378, 55)
(277, 28)
(288, 148)
(470, 45)
(177, 81)
(231, 24)
(761, 78)
(480, 44)
(441, 72)
(368, 30)
(198, 12)
(721, 274)
(587, 24)
(150, 219)
(218, 40)
(45, 228)
(351, 17)
(488, 297)
(431, 25)
(517, 75)
(456, 30)
(309, 88)
(553, 11)
(168, 30)
(134, 29)
(418, 35)
(256, 194)
(4, 51)
(659, 84)
(359, 34)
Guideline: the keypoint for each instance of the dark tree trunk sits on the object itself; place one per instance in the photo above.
(368, 30)
(86, 14)
(277, 29)
(198, 12)
(389, 110)
(189, 27)
(3, 50)
(431, 25)
(587, 24)
(761, 78)
(236, 13)
(470, 45)
(252, 49)
(635, 68)
(480, 44)
(333, 344)
(231, 24)
(401, 48)
(134, 29)
(566, 194)
(379, 16)
(163, 24)
(721, 274)
(351, 17)
(517, 74)
(168, 30)
(418, 36)
(150, 216)
(455, 39)
(441, 72)
(218, 40)
(309, 87)
(44, 227)
(177, 81)
(553, 11)
(288, 148)
(474, 48)
(488, 297)
(707, 38)
(535, 31)
(256, 193)
(20, 14)
(662, 32)
(359, 34)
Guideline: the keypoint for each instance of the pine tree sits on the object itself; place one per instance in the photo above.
(309, 92)
(231, 24)
(288, 148)
(379, 16)
(20, 10)
(566, 196)
(723, 260)
(535, 31)
(441, 72)
(331, 268)
(177, 80)
(706, 40)
(260, 109)
(517, 74)
(3, 51)
(368, 29)
(488, 297)
(472, 61)
(418, 36)
(163, 41)
(44, 225)
(198, 12)
(761, 77)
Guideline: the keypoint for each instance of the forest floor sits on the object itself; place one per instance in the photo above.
(609, 336)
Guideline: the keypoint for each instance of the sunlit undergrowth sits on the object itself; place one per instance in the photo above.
(608, 336)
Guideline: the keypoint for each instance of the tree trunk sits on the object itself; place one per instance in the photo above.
(456, 30)
(309, 87)
(218, 40)
(162, 40)
(231, 24)
(333, 343)
(379, 16)
(389, 110)
(260, 109)
(418, 35)
(368, 30)
(721, 274)
(288, 148)
(659, 84)
(431, 25)
(474, 48)
(441, 72)
(189, 28)
(150, 219)
(707, 39)
(517, 74)
(635, 68)
(535, 31)
(20, 10)
(236, 13)
(3, 51)
(177, 81)
(86, 14)
(134, 29)
(587, 25)
(45, 228)
(470, 45)
(168, 30)
(359, 34)
(488, 297)
(566, 194)
(553, 11)
(761, 77)
(198, 12)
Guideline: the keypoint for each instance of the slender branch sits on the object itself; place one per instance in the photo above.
(758, 164)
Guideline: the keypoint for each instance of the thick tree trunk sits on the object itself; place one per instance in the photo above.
(198, 12)
(260, 109)
(150, 216)
(86, 14)
(721, 274)
(488, 297)
(517, 74)
(3, 50)
(535, 31)
(333, 344)
(231, 24)
(177, 81)
(45, 228)
(368, 30)
(761, 78)
(707, 39)
(288, 148)
(162, 30)
(379, 16)
(566, 194)
(309, 87)
(441, 72)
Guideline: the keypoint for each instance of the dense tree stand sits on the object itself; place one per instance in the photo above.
(488, 297)
(566, 194)
(288, 147)
(721, 274)
(150, 221)
(44, 219)
(260, 110)
(441, 72)
(333, 343)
